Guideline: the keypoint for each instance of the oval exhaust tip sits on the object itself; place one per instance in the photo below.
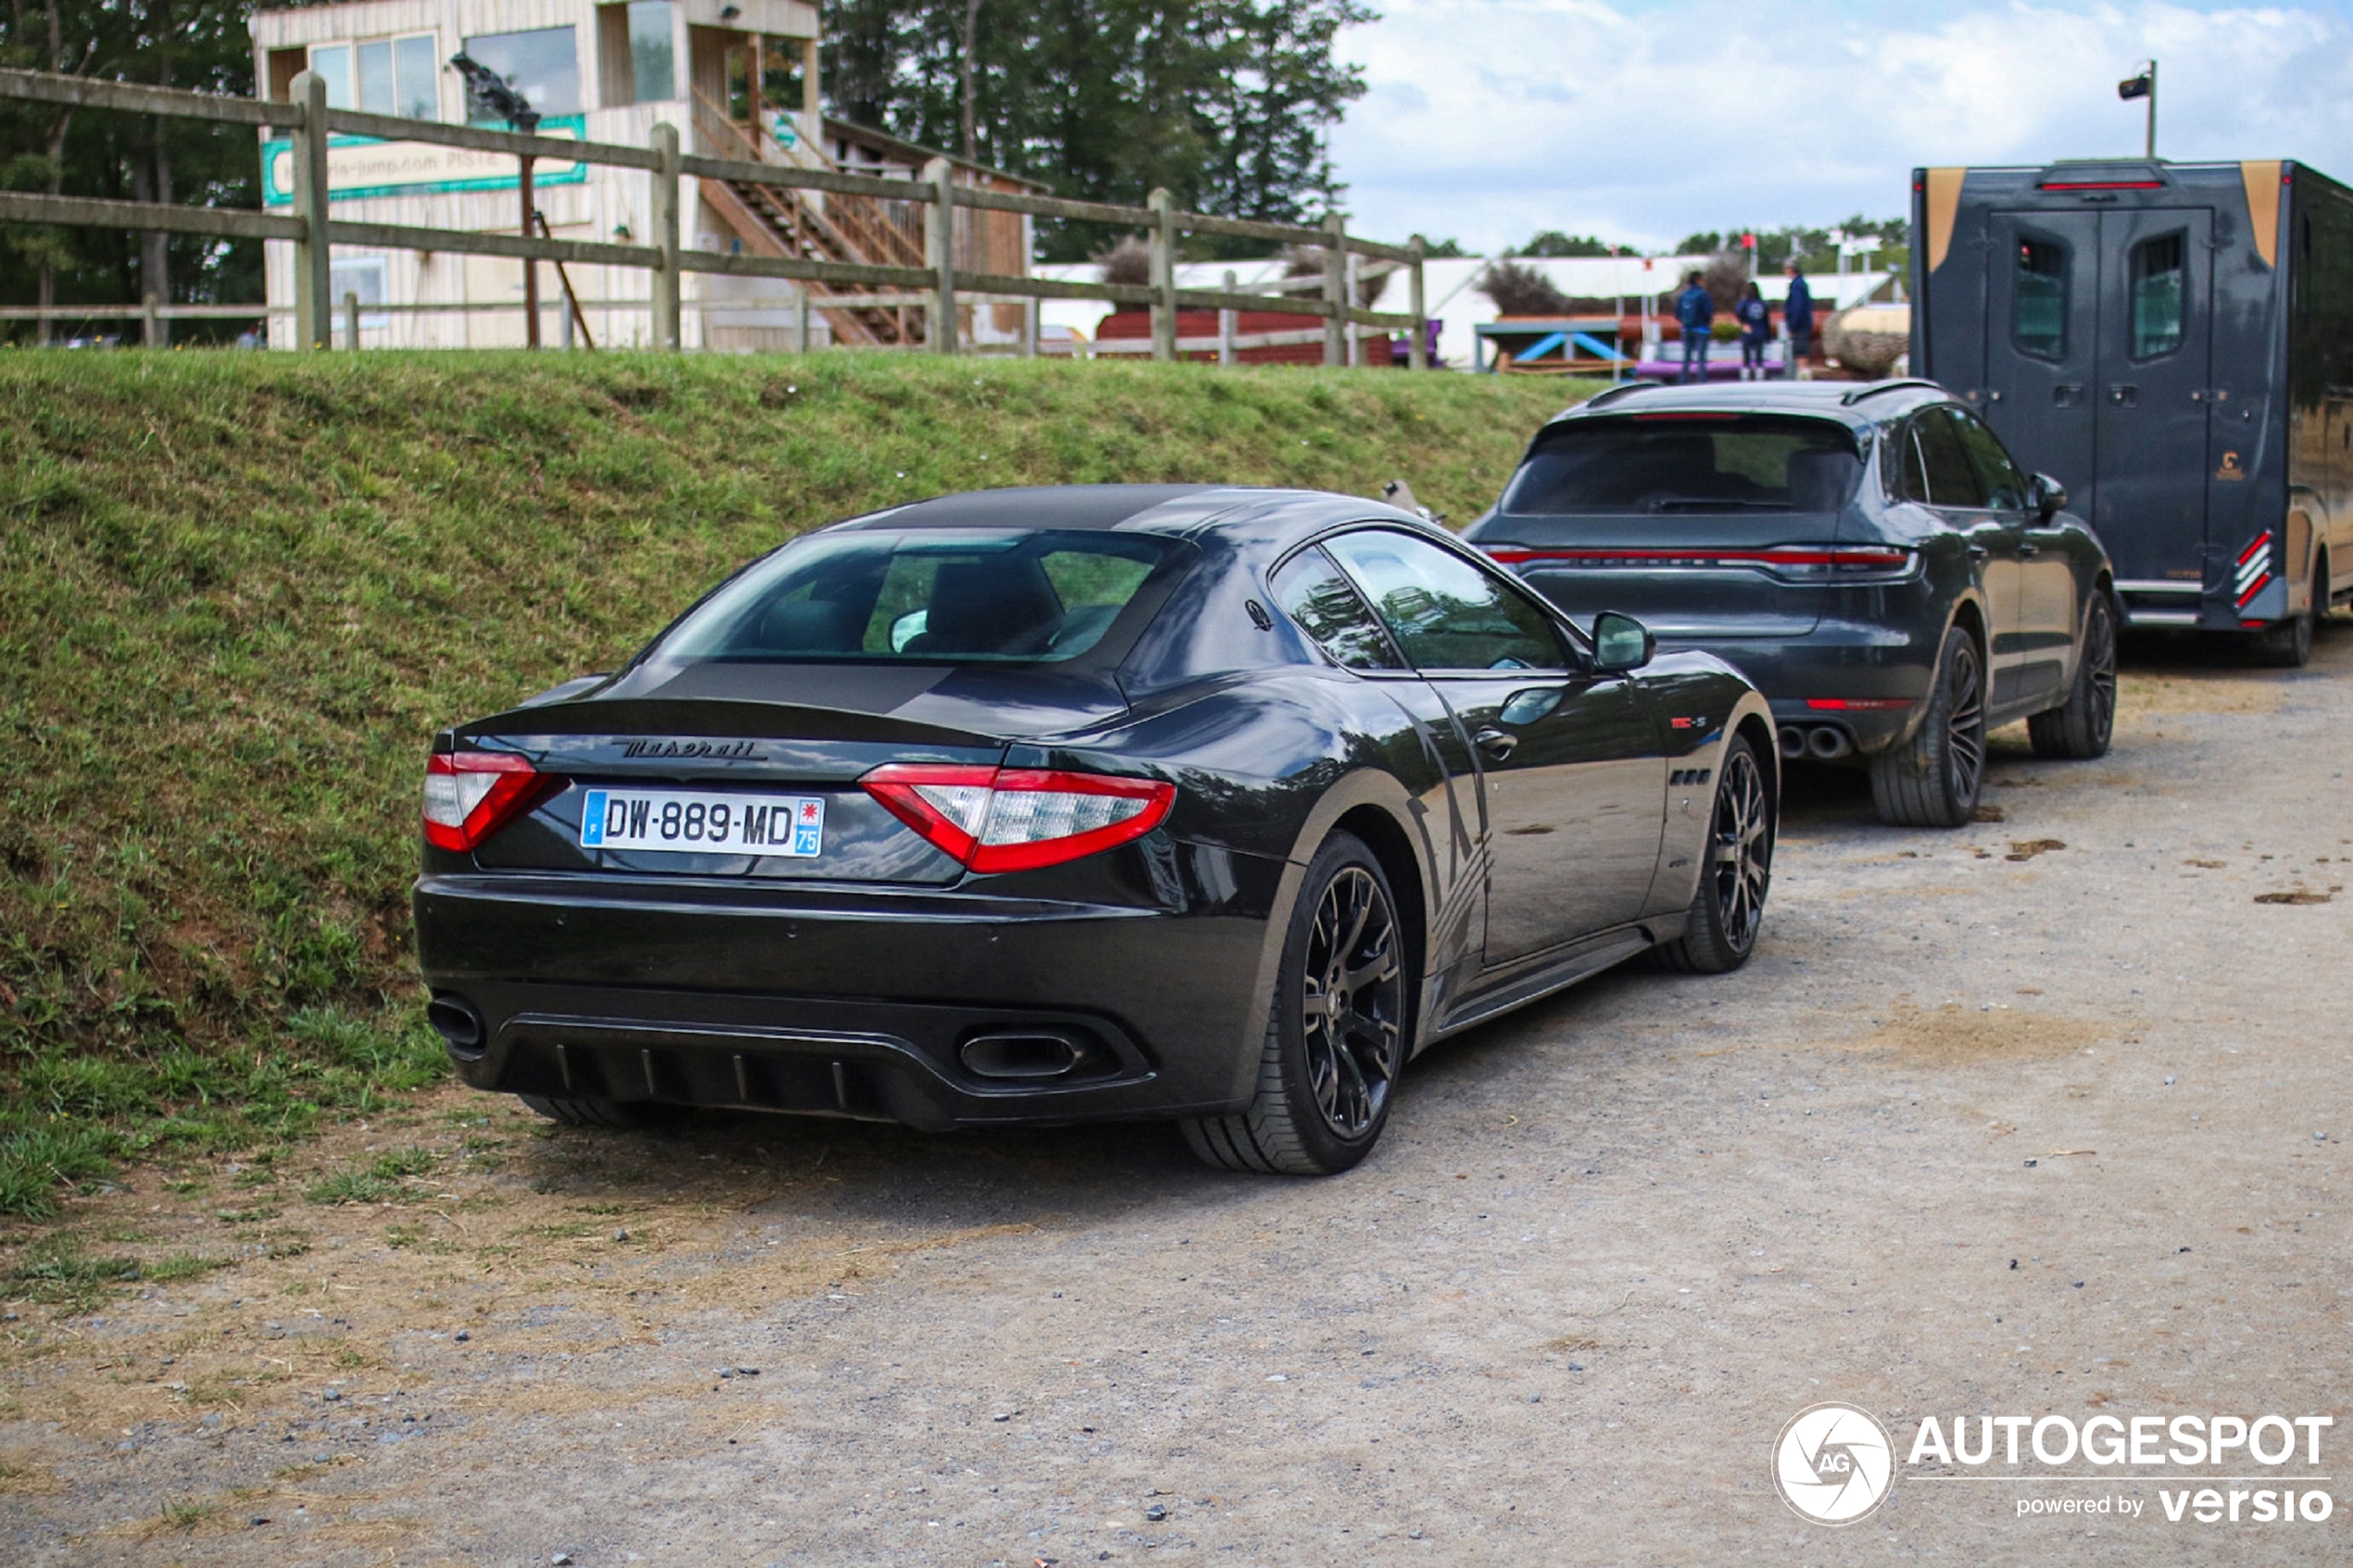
(1793, 742)
(1020, 1055)
(1829, 742)
(459, 1023)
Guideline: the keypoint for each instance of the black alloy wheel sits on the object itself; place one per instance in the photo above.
(1338, 1033)
(2081, 727)
(1728, 911)
(1932, 780)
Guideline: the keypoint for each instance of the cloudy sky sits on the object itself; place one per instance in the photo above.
(1644, 121)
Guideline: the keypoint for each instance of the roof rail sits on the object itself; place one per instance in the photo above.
(1878, 386)
(1621, 390)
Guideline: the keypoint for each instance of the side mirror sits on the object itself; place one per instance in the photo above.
(1621, 643)
(2046, 495)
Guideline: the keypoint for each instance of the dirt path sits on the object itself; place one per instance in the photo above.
(2044, 1115)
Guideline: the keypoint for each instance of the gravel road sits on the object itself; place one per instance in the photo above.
(2043, 1115)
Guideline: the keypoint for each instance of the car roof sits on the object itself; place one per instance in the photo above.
(1858, 405)
(1244, 512)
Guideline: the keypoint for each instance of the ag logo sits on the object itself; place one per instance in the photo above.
(1833, 1463)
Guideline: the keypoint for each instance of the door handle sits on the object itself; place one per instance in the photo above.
(2124, 394)
(2029, 547)
(1496, 744)
(2068, 395)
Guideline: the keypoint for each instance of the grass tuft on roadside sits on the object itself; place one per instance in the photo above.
(238, 593)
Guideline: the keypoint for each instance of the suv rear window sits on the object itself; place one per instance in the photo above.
(934, 595)
(1686, 463)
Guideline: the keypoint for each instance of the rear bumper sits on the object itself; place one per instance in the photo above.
(854, 1002)
(1841, 663)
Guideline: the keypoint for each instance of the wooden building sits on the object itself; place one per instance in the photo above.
(737, 78)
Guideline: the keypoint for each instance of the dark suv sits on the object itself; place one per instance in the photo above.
(1867, 553)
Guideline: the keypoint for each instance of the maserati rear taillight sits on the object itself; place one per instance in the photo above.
(471, 795)
(1800, 563)
(1018, 818)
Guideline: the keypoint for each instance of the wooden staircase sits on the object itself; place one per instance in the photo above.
(811, 226)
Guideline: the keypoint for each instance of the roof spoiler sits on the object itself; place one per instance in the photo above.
(1621, 390)
(1878, 386)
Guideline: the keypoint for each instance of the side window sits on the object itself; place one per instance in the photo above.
(1445, 612)
(1911, 485)
(2005, 487)
(1313, 591)
(2038, 308)
(2160, 280)
(1951, 481)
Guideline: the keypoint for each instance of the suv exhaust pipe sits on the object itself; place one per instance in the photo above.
(1827, 742)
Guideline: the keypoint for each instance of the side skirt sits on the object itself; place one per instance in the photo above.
(1531, 979)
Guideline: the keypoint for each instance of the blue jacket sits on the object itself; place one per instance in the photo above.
(1695, 309)
(1756, 318)
(1799, 312)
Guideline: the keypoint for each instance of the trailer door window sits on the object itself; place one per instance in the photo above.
(2159, 275)
(2038, 311)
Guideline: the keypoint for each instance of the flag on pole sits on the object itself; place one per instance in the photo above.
(2135, 87)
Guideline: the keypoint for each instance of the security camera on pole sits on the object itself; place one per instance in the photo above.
(2143, 84)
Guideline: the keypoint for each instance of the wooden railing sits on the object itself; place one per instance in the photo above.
(933, 287)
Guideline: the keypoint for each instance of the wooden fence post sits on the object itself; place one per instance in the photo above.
(351, 320)
(1418, 355)
(314, 284)
(667, 333)
(1163, 260)
(939, 236)
(1335, 291)
(150, 323)
(1226, 322)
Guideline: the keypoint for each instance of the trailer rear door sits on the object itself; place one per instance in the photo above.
(2098, 328)
(2153, 395)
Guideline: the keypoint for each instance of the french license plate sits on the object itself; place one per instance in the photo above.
(694, 822)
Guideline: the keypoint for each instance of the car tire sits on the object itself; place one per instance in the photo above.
(573, 1112)
(2082, 726)
(2287, 645)
(1728, 908)
(1933, 780)
(1337, 1031)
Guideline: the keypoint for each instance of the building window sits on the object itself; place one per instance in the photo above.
(542, 65)
(391, 76)
(635, 63)
(366, 277)
(2039, 310)
(2159, 269)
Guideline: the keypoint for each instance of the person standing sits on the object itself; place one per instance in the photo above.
(1757, 325)
(1695, 313)
(1797, 314)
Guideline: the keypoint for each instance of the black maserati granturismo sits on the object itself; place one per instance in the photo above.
(1048, 805)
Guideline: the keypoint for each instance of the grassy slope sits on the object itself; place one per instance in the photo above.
(238, 593)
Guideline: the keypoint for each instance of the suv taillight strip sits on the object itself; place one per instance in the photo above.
(1833, 558)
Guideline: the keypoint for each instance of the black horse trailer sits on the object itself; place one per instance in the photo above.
(2174, 343)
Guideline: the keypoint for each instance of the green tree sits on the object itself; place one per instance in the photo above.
(201, 45)
(1226, 102)
(1552, 242)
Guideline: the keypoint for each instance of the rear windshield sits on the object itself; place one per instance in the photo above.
(933, 595)
(1677, 463)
